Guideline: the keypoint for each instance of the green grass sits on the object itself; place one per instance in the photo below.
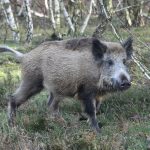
(125, 116)
(125, 120)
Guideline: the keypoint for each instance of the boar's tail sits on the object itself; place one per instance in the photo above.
(17, 54)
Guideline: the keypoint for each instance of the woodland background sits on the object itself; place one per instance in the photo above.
(125, 117)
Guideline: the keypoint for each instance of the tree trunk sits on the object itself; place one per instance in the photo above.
(127, 13)
(10, 19)
(66, 15)
(87, 18)
(28, 21)
(57, 13)
(46, 4)
(51, 14)
(141, 17)
(110, 6)
(128, 17)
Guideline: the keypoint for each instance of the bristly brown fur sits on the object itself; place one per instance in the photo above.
(75, 44)
(65, 72)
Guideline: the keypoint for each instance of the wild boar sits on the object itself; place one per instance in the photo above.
(85, 66)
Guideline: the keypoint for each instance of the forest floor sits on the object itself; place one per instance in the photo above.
(125, 116)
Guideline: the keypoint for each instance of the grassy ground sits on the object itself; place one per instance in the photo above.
(125, 117)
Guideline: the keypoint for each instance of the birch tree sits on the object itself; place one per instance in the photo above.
(57, 13)
(141, 18)
(85, 23)
(110, 6)
(10, 19)
(51, 13)
(128, 17)
(127, 13)
(66, 15)
(28, 21)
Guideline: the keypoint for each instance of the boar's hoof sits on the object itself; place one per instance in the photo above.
(82, 117)
(96, 128)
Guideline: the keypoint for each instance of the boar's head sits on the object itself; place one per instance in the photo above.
(112, 59)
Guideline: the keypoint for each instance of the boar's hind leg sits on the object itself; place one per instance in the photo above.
(87, 97)
(22, 94)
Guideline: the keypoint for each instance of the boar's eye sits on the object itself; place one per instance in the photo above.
(110, 62)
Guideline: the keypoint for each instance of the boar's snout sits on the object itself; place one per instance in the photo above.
(125, 84)
(122, 83)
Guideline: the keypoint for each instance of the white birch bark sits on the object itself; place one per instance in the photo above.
(46, 4)
(51, 14)
(66, 15)
(28, 21)
(128, 17)
(110, 6)
(94, 3)
(57, 12)
(10, 19)
(85, 23)
(141, 18)
(127, 13)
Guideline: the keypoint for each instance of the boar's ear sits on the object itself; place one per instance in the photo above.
(127, 44)
(98, 49)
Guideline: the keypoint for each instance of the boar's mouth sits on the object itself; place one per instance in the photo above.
(127, 86)
(111, 87)
(108, 87)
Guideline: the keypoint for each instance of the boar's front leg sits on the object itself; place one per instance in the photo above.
(87, 96)
(84, 117)
(54, 104)
(50, 98)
